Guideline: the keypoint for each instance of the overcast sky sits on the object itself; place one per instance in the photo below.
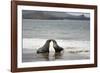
(79, 13)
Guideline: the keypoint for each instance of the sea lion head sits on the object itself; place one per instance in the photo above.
(54, 41)
(46, 45)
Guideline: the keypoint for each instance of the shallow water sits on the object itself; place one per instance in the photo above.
(30, 55)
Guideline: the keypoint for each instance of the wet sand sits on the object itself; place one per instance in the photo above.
(30, 55)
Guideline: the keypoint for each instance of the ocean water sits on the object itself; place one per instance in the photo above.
(72, 35)
(56, 29)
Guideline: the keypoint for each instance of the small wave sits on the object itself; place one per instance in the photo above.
(79, 51)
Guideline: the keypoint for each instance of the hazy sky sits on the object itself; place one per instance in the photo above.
(79, 13)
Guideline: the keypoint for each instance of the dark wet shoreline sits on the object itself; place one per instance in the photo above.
(30, 55)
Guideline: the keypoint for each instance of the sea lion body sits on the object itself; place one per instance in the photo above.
(57, 48)
(45, 48)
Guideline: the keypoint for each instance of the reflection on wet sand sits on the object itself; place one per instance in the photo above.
(44, 55)
(30, 55)
(47, 57)
(58, 55)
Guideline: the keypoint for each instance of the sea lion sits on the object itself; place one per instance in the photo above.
(45, 48)
(57, 48)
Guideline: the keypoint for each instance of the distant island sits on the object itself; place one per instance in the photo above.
(52, 16)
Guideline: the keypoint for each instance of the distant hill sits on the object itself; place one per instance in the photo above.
(51, 15)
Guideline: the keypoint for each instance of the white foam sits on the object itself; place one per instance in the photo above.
(30, 43)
